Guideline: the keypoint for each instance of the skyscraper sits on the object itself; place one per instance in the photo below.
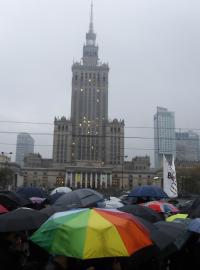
(164, 135)
(89, 135)
(187, 146)
(25, 145)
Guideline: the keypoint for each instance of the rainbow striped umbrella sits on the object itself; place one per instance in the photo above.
(92, 233)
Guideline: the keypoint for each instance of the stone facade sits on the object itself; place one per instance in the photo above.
(62, 141)
(95, 175)
(35, 160)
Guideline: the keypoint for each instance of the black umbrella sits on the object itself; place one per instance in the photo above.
(28, 192)
(84, 197)
(160, 238)
(50, 210)
(53, 197)
(21, 219)
(185, 207)
(142, 211)
(11, 200)
(194, 209)
(177, 231)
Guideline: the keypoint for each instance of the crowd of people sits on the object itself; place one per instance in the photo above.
(17, 251)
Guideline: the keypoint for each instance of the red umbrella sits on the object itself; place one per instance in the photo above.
(161, 207)
(3, 209)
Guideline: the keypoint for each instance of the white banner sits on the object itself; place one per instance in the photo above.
(169, 178)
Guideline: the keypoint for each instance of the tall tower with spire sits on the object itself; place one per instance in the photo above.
(93, 137)
(89, 104)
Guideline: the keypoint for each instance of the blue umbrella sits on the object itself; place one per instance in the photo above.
(28, 192)
(148, 191)
(194, 225)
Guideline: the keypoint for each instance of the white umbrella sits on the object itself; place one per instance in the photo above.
(113, 203)
(61, 189)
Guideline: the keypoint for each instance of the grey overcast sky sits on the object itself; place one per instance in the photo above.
(152, 47)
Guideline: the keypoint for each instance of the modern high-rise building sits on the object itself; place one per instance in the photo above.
(89, 135)
(164, 135)
(25, 145)
(187, 146)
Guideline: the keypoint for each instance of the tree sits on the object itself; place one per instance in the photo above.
(188, 180)
(6, 177)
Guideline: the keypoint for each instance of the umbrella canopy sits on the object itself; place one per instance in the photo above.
(194, 225)
(159, 238)
(84, 197)
(161, 207)
(177, 231)
(113, 203)
(141, 211)
(194, 211)
(28, 192)
(176, 216)
(53, 197)
(37, 200)
(185, 206)
(148, 191)
(11, 200)
(3, 209)
(61, 189)
(21, 219)
(50, 210)
(92, 233)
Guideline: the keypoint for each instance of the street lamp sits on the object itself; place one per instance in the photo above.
(159, 178)
(123, 171)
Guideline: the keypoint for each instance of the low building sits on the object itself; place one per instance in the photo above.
(15, 176)
(35, 160)
(96, 175)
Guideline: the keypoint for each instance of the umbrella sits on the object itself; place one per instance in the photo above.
(84, 197)
(148, 191)
(160, 238)
(141, 211)
(113, 203)
(161, 207)
(52, 198)
(185, 206)
(11, 200)
(37, 200)
(176, 216)
(194, 211)
(194, 225)
(61, 189)
(92, 233)
(177, 231)
(3, 209)
(50, 210)
(21, 219)
(28, 192)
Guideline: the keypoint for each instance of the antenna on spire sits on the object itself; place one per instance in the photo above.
(91, 30)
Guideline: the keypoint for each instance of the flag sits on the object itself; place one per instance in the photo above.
(169, 178)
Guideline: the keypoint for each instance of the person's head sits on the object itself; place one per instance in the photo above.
(62, 261)
(15, 239)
